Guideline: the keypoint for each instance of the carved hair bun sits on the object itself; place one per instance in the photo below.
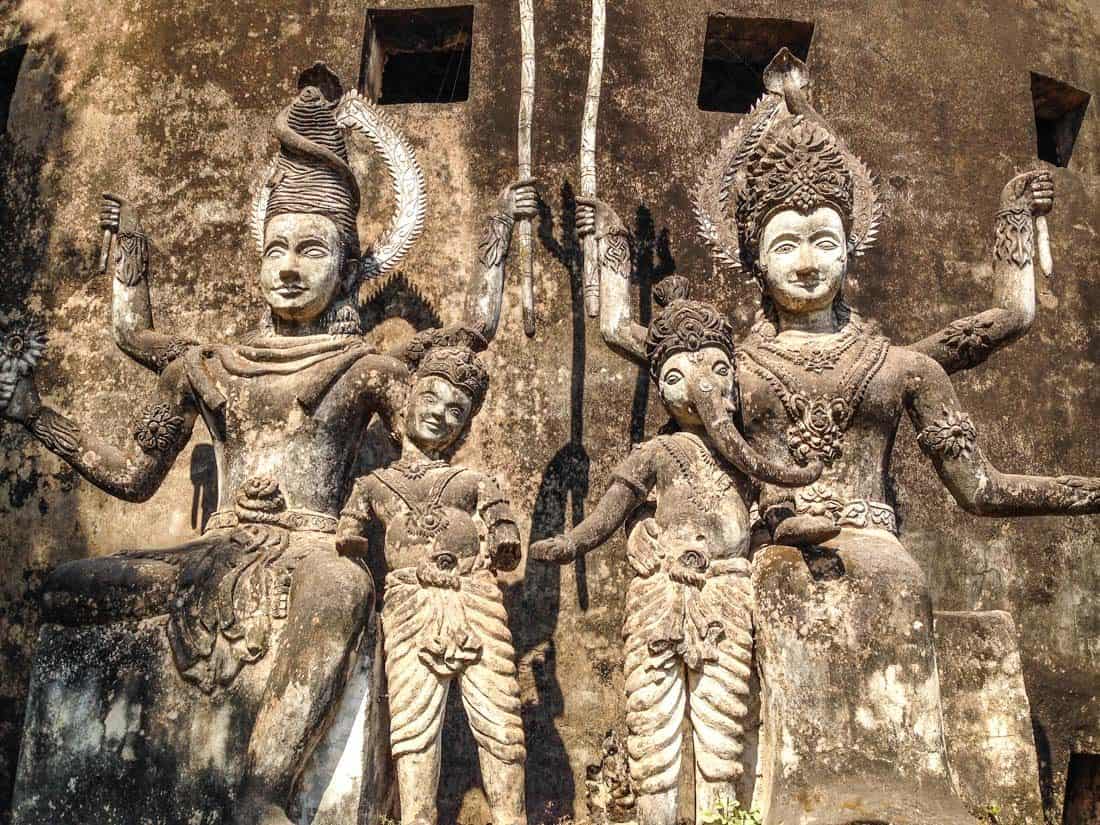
(672, 288)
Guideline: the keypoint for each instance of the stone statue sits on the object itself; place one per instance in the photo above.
(287, 412)
(850, 693)
(443, 532)
(688, 625)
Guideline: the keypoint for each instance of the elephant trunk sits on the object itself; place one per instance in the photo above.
(715, 414)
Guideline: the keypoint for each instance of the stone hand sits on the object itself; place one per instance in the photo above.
(118, 216)
(594, 217)
(1033, 191)
(520, 200)
(556, 550)
(641, 548)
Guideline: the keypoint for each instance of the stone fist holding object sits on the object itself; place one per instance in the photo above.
(519, 200)
(594, 217)
(1033, 191)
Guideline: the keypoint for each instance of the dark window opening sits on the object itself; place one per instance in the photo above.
(417, 55)
(10, 62)
(1059, 110)
(1082, 805)
(735, 54)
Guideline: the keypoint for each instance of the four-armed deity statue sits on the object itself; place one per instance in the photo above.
(852, 721)
(260, 612)
(763, 543)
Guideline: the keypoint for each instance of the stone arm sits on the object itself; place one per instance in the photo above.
(503, 534)
(485, 293)
(948, 436)
(967, 342)
(382, 384)
(357, 521)
(131, 307)
(131, 473)
(633, 479)
(616, 261)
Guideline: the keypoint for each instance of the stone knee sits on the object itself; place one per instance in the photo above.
(113, 588)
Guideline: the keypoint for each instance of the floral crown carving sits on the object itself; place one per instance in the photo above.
(781, 155)
(683, 325)
(459, 366)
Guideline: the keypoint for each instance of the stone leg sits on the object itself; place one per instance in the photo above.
(656, 700)
(113, 588)
(490, 696)
(329, 603)
(418, 782)
(717, 708)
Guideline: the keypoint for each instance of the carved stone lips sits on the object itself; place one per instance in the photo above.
(290, 290)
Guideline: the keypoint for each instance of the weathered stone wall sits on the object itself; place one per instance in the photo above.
(169, 104)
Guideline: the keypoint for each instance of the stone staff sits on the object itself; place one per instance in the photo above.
(588, 152)
(526, 108)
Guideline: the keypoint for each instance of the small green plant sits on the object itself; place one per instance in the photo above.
(990, 814)
(728, 811)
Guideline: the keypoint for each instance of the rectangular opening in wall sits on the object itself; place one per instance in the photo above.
(1059, 110)
(1082, 806)
(735, 54)
(417, 55)
(10, 62)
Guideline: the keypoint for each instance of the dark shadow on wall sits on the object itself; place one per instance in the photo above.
(652, 261)
(31, 482)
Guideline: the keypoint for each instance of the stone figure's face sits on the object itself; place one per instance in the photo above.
(438, 413)
(686, 376)
(804, 258)
(303, 265)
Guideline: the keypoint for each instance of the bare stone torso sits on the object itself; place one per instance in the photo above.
(861, 468)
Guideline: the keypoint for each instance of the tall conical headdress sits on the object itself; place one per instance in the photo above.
(782, 155)
(311, 172)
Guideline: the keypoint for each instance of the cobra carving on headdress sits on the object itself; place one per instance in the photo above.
(782, 155)
(683, 325)
(311, 173)
(459, 366)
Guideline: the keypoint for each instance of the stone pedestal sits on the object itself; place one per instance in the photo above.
(114, 736)
(987, 716)
(852, 729)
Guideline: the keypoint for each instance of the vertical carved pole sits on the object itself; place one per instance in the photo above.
(588, 152)
(526, 109)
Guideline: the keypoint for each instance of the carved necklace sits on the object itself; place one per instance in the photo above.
(819, 421)
(416, 468)
(425, 517)
(814, 356)
(708, 488)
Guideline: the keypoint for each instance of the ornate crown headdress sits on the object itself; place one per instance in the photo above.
(459, 366)
(781, 155)
(683, 325)
(311, 173)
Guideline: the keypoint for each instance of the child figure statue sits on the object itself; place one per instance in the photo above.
(444, 531)
(688, 626)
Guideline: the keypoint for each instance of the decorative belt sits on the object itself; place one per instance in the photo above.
(297, 520)
(817, 501)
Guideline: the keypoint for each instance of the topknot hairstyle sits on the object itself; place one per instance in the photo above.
(683, 325)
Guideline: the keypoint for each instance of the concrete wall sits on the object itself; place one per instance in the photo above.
(169, 104)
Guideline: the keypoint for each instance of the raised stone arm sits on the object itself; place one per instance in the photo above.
(131, 307)
(948, 436)
(613, 248)
(132, 473)
(967, 342)
(518, 201)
